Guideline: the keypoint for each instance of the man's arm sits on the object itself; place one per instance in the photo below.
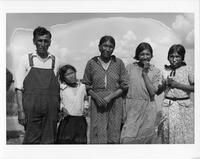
(19, 78)
(21, 115)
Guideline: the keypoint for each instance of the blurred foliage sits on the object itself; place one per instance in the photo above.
(11, 105)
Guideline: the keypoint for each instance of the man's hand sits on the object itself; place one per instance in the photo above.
(21, 118)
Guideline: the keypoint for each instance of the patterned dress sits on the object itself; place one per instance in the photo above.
(140, 112)
(106, 122)
(178, 128)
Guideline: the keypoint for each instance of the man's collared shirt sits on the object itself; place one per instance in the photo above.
(24, 67)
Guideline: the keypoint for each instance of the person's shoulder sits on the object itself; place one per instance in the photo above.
(155, 68)
(95, 58)
(58, 61)
(132, 66)
(187, 68)
(63, 86)
(92, 60)
(117, 59)
(53, 56)
(25, 58)
(81, 84)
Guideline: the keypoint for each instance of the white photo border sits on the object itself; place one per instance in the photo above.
(98, 151)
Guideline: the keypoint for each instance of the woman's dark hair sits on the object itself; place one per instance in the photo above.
(63, 70)
(39, 31)
(107, 38)
(143, 46)
(177, 48)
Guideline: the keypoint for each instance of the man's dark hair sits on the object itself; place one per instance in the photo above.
(39, 31)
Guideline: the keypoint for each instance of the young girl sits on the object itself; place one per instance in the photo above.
(140, 107)
(74, 107)
(178, 83)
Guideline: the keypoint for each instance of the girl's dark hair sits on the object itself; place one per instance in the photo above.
(177, 48)
(107, 38)
(40, 31)
(143, 46)
(63, 70)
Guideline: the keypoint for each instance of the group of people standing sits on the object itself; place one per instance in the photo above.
(53, 103)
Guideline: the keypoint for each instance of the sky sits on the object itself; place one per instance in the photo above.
(75, 36)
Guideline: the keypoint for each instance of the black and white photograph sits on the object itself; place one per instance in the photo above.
(105, 79)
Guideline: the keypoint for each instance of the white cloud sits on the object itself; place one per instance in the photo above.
(150, 41)
(93, 44)
(130, 35)
(166, 40)
(183, 26)
(78, 42)
(190, 37)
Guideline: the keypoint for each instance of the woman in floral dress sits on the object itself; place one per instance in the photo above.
(106, 82)
(178, 110)
(140, 107)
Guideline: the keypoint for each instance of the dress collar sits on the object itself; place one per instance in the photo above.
(36, 55)
(151, 65)
(113, 58)
(173, 70)
(64, 85)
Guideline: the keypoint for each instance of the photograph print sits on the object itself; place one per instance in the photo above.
(100, 78)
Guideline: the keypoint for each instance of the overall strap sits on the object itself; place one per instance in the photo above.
(30, 57)
(53, 61)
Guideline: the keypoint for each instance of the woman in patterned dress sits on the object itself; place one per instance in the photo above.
(106, 82)
(140, 106)
(178, 111)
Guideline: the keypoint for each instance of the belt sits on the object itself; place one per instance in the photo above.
(175, 99)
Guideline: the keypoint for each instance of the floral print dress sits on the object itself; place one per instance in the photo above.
(178, 126)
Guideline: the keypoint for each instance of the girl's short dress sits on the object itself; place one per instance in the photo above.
(73, 128)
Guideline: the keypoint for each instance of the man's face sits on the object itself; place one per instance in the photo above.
(42, 44)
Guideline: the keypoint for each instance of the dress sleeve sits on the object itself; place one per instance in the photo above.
(157, 78)
(86, 103)
(61, 100)
(123, 81)
(87, 77)
(191, 75)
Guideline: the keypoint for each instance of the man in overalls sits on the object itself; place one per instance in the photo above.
(37, 91)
